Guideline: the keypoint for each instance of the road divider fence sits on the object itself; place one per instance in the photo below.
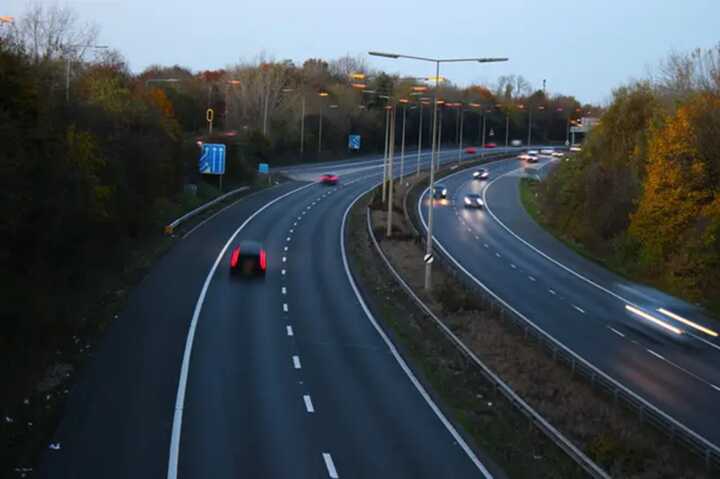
(172, 226)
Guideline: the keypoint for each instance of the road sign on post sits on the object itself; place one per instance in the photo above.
(210, 114)
(354, 142)
(212, 159)
(264, 168)
(428, 258)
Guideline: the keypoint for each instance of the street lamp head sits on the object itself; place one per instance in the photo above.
(386, 55)
(323, 93)
(359, 85)
(491, 60)
(333, 106)
(284, 90)
(7, 19)
(357, 76)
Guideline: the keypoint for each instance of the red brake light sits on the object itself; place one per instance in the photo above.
(263, 260)
(234, 258)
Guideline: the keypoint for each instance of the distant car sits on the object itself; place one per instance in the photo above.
(529, 158)
(439, 191)
(516, 143)
(547, 151)
(470, 150)
(533, 152)
(481, 174)
(248, 259)
(473, 200)
(329, 179)
(558, 154)
(490, 145)
(575, 148)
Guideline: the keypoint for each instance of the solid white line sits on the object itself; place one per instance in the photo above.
(283, 290)
(285, 307)
(579, 309)
(406, 369)
(332, 472)
(715, 387)
(289, 330)
(296, 362)
(308, 403)
(655, 354)
(711, 344)
(616, 332)
(174, 452)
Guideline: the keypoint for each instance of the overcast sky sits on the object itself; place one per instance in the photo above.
(583, 48)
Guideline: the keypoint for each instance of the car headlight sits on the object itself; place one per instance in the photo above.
(476, 174)
(444, 191)
(467, 201)
(480, 202)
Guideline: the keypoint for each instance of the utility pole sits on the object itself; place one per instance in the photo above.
(530, 110)
(302, 125)
(507, 128)
(385, 155)
(462, 119)
(320, 129)
(402, 147)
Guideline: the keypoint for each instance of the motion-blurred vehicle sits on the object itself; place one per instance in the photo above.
(516, 143)
(481, 174)
(248, 259)
(533, 152)
(470, 150)
(558, 154)
(329, 179)
(439, 191)
(547, 151)
(490, 145)
(473, 200)
(529, 158)
(575, 148)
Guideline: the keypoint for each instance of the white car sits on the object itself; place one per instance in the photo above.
(473, 200)
(481, 174)
(558, 154)
(575, 148)
(533, 152)
(516, 143)
(529, 158)
(547, 151)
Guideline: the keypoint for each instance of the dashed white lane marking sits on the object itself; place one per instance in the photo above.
(285, 307)
(579, 309)
(292, 231)
(332, 472)
(477, 237)
(303, 213)
(289, 330)
(498, 255)
(283, 290)
(282, 272)
(469, 230)
(552, 291)
(296, 362)
(295, 223)
(284, 259)
(616, 332)
(532, 278)
(287, 239)
(655, 354)
(308, 403)
(513, 266)
(299, 218)
(285, 248)
(486, 245)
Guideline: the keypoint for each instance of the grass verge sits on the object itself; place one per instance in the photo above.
(499, 431)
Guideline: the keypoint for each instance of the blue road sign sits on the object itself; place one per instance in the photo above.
(354, 142)
(212, 159)
(263, 168)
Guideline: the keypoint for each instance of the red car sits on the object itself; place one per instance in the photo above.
(329, 179)
(470, 150)
(490, 145)
(249, 259)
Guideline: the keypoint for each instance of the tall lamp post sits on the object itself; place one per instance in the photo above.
(437, 62)
(67, 65)
(321, 94)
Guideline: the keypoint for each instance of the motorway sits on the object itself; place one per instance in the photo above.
(578, 302)
(204, 375)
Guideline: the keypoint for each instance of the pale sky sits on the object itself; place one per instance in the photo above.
(583, 48)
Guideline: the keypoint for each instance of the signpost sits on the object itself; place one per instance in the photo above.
(264, 169)
(354, 142)
(212, 160)
(210, 114)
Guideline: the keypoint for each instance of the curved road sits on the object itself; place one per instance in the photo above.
(581, 304)
(288, 376)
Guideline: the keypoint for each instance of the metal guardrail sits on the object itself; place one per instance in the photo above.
(524, 408)
(170, 228)
(675, 430)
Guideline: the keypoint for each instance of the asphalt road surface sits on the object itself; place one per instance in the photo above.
(581, 304)
(285, 377)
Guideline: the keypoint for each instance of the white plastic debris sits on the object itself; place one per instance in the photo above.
(55, 446)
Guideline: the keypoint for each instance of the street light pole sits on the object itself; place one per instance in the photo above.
(391, 158)
(385, 155)
(507, 128)
(530, 110)
(320, 129)
(462, 120)
(420, 132)
(302, 125)
(402, 147)
(428, 255)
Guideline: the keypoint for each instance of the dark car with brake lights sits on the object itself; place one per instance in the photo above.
(473, 200)
(481, 174)
(248, 259)
(329, 179)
